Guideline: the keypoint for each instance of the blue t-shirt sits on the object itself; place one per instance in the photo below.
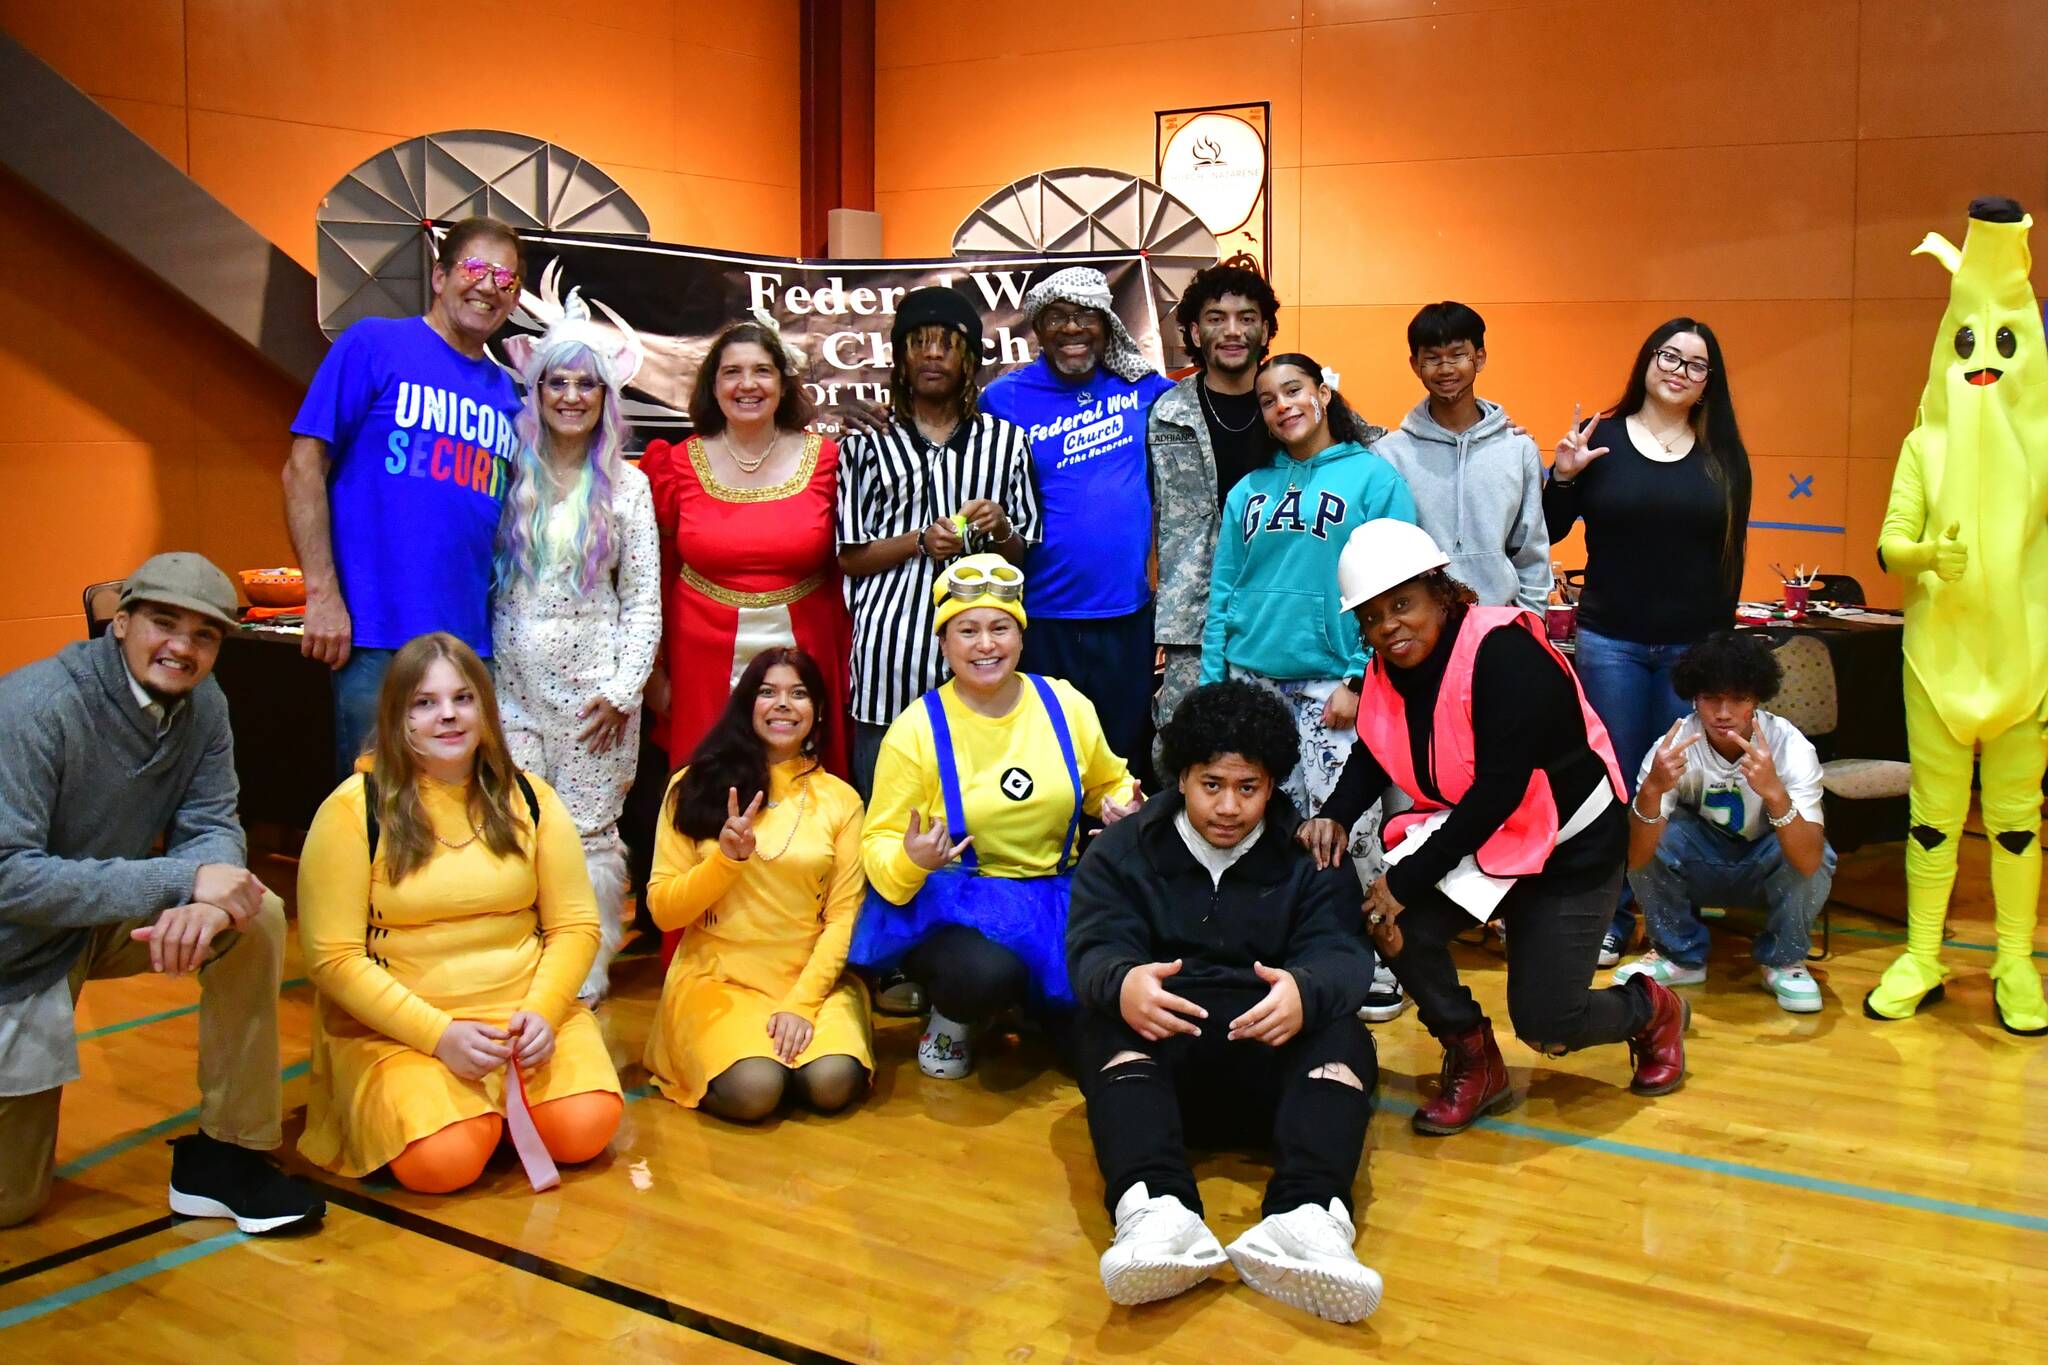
(1094, 488)
(419, 437)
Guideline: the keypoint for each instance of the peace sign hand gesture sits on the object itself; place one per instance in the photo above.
(927, 847)
(1573, 454)
(1760, 770)
(736, 835)
(1668, 768)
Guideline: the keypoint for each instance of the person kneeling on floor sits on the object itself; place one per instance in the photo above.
(1230, 1008)
(1728, 812)
(106, 748)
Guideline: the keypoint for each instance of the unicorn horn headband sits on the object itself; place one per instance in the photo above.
(616, 345)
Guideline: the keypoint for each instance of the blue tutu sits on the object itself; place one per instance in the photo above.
(1027, 915)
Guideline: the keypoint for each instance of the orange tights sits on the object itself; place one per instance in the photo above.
(575, 1129)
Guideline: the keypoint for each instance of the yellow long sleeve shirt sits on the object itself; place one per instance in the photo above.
(468, 936)
(1015, 795)
(780, 921)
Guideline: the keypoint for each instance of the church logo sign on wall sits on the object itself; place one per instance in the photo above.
(1215, 161)
(676, 300)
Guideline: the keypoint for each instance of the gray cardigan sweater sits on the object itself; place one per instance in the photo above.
(86, 788)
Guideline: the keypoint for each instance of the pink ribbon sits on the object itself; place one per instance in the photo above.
(533, 1153)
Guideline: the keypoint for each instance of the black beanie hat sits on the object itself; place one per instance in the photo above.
(944, 307)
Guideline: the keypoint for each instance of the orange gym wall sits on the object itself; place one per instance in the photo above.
(1579, 170)
(138, 425)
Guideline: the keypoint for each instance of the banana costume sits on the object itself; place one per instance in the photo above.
(1967, 529)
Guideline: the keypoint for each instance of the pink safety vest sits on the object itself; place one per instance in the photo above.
(1522, 844)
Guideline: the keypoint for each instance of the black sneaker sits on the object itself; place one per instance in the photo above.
(1611, 948)
(215, 1179)
(1385, 1000)
(897, 995)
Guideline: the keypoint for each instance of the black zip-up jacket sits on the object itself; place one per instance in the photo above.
(1139, 896)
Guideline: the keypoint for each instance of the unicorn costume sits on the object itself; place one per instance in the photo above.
(576, 612)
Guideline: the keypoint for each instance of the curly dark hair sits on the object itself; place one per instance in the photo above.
(1728, 663)
(1213, 283)
(1230, 718)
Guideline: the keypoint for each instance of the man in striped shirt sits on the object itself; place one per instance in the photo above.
(943, 480)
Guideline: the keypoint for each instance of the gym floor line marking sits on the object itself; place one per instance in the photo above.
(126, 1024)
(597, 1286)
(128, 1142)
(28, 1270)
(1894, 936)
(1765, 1175)
(118, 1279)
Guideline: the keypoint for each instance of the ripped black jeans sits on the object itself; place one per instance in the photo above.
(1553, 951)
(1220, 1093)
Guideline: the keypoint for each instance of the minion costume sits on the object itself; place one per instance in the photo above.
(1020, 784)
(1967, 529)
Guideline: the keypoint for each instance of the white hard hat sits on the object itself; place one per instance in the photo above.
(1382, 554)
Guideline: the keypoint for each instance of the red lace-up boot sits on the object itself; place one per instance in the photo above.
(1659, 1050)
(1475, 1081)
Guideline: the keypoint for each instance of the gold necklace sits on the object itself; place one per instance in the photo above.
(732, 452)
(803, 803)
(476, 832)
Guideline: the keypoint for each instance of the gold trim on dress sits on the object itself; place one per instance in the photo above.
(806, 466)
(729, 597)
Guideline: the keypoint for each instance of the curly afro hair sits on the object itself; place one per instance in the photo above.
(1230, 718)
(1728, 663)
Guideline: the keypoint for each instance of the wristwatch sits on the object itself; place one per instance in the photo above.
(1357, 685)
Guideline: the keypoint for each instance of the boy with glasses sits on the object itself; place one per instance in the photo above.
(1476, 477)
(399, 458)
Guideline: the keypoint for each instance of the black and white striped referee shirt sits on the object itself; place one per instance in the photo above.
(898, 485)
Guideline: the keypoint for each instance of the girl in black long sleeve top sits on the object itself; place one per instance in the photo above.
(1526, 716)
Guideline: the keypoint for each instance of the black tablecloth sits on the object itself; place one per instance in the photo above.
(281, 707)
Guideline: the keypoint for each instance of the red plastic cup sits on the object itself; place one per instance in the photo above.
(1559, 619)
(1797, 595)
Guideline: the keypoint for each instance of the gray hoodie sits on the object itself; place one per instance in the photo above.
(1479, 494)
(87, 786)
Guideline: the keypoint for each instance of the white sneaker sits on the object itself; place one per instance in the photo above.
(1795, 988)
(1161, 1249)
(1385, 1000)
(1661, 970)
(1304, 1259)
(946, 1051)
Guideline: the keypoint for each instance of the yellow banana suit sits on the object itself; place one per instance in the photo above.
(1967, 530)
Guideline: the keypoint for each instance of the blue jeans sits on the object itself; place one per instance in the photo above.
(1629, 686)
(1696, 864)
(356, 684)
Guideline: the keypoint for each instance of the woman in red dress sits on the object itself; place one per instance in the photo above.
(746, 507)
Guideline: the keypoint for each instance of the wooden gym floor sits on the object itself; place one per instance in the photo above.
(1824, 1188)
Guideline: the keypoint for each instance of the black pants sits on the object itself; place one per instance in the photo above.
(641, 818)
(1110, 661)
(1227, 1094)
(1553, 950)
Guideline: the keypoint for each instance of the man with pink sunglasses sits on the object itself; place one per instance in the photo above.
(399, 457)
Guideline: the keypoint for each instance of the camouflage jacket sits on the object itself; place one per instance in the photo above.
(1184, 512)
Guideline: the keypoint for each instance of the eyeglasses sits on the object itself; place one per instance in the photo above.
(476, 267)
(1671, 362)
(1061, 319)
(562, 386)
(1449, 361)
(966, 582)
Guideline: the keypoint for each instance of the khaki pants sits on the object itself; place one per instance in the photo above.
(241, 1100)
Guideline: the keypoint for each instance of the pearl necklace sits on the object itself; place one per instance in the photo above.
(732, 452)
(476, 832)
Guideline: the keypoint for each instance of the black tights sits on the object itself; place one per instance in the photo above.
(968, 978)
(752, 1089)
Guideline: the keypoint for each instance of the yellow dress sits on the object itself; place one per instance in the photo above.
(468, 936)
(760, 937)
